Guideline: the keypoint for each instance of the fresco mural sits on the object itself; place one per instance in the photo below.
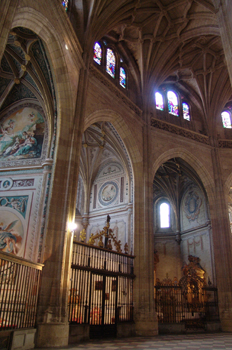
(21, 135)
(11, 233)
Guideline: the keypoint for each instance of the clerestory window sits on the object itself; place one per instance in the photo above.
(164, 214)
(170, 101)
(111, 62)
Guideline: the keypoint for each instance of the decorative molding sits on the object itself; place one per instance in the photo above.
(224, 143)
(35, 224)
(179, 131)
(23, 183)
(116, 92)
(108, 193)
(18, 203)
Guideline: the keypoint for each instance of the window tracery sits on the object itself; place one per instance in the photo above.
(122, 77)
(170, 102)
(226, 119)
(186, 112)
(111, 62)
(65, 4)
(159, 101)
(97, 53)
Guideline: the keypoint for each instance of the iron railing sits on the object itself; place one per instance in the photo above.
(19, 286)
(101, 288)
(172, 306)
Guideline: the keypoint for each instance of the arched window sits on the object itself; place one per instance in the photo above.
(226, 119)
(164, 215)
(186, 113)
(122, 77)
(97, 55)
(65, 4)
(172, 103)
(159, 101)
(110, 62)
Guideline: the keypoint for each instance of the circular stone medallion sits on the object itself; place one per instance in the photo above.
(108, 192)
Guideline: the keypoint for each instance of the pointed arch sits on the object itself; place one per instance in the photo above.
(195, 163)
(122, 128)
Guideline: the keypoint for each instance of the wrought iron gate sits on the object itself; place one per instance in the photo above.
(104, 306)
(101, 289)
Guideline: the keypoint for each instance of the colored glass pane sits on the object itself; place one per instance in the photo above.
(110, 62)
(186, 114)
(173, 103)
(226, 120)
(122, 77)
(65, 4)
(97, 56)
(159, 101)
(164, 215)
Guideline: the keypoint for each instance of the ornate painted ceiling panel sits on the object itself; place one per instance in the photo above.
(25, 72)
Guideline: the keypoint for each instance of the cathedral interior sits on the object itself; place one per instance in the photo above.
(116, 169)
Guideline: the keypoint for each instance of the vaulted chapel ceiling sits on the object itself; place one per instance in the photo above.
(168, 42)
(100, 147)
(25, 73)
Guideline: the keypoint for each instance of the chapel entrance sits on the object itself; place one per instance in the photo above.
(101, 289)
(103, 304)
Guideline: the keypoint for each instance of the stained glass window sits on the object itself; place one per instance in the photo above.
(159, 101)
(164, 215)
(122, 77)
(186, 113)
(226, 120)
(110, 62)
(97, 56)
(65, 4)
(173, 103)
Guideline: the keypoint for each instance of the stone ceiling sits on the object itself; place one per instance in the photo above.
(164, 42)
(25, 72)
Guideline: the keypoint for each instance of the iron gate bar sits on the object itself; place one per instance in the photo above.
(103, 272)
(172, 306)
(114, 270)
(20, 281)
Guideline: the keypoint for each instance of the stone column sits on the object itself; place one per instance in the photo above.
(129, 240)
(7, 11)
(145, 316)
(224, 14)
(222, 245)
(53, 326)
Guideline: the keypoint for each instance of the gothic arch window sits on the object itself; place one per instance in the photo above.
(186, 111)
(159, 101)
(65, 4)
(226, 119)
(110, 62)
(172, 103)
(97, 56)
(122, 77)
(164, 215)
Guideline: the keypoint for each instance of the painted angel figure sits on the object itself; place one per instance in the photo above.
(8, 241)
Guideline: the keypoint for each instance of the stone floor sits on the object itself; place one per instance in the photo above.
(164, 342)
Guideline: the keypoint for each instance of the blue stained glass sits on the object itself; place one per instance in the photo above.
(65, 4)
(226, 120)
(122, 77)
(173, 103)
(97, 53)
(159, 101)
(110, 63)
(186, 114)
